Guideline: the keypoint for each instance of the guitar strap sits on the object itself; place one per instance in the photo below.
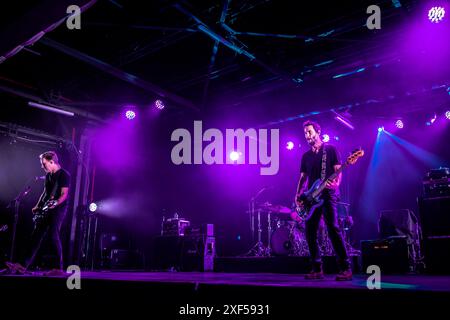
(324, 163)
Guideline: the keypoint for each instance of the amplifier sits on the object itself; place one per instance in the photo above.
(203, 230)
(125, 259)
(391, 254)
(434, 216)
(184, 253)
(436, 250)
(175, 227)
(437, 188)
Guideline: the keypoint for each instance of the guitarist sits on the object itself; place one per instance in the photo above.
(55, 194)
(314, 165)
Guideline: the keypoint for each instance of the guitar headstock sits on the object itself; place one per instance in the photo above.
(358, 153)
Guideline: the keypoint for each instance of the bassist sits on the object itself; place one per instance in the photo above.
(318, 163)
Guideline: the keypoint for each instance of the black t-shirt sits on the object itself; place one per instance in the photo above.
(53, 184)
(311, 163)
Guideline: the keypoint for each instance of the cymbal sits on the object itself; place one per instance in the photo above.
(275, 208)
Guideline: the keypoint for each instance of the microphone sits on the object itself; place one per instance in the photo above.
(39, 178)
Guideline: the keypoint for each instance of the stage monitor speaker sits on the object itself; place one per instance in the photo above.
(391, 254)
(434, 216)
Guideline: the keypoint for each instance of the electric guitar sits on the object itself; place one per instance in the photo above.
(43, 211)
(311, 198)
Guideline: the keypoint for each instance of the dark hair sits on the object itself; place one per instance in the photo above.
(49, 155)
(315, 125)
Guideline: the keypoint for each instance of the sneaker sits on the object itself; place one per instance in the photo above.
(314, 275)
(54, 273)
(344, 275)
(16, 268)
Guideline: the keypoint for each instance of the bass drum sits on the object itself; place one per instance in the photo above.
(288, 241)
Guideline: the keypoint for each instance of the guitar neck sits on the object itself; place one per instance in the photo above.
(331, 177)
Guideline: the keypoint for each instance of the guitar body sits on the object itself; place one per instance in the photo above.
(311, 198)
(310, 202)
(43, 212)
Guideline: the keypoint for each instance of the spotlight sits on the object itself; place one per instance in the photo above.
(50, 108)
(234, 155)
(93, 207)
(326, 138)
(432, 120)
(336, 138)
(399, 124)
(380, 129)
(447, 114)
(130, 114)
(436, 14)
(290, 145)
(159, 104)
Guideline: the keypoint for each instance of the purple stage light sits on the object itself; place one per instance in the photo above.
(344, 121)
(336, 138)
(93, 207)
(447, 114)
(399, 124)
(326, 138)
(290, 145)
(436, 14)
(380, 129)
(130, 114)
(159, 104)
(433, 119)
(234, 155)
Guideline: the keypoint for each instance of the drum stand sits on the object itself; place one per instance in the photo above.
(259, 249)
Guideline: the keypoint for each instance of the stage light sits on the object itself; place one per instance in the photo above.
(436, 14)
(380, 129)
(93, 207)
(343, 120)
(234, 155)
(50, 108)
(159, 104)
(447, 114)
(326, 138)
(432, 120)
(290, 145)
(336, 138)
(399, 124)
(130, 114)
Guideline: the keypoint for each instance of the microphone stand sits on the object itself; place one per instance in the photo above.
(16, 202)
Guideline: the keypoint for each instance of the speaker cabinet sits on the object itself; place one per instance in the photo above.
(184, 253)
(435, 220)
(391, 255)
(435, 216)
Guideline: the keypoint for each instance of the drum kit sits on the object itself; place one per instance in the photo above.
(285, 236)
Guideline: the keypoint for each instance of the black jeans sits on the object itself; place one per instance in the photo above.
(329, 211)
(51, 226)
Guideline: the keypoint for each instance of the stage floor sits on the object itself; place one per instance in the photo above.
(359, 282)
(285, 294)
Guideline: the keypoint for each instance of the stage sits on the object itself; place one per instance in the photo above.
(283, 293)
(195, 159)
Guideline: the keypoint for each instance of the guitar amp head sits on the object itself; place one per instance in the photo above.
(175, 227)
